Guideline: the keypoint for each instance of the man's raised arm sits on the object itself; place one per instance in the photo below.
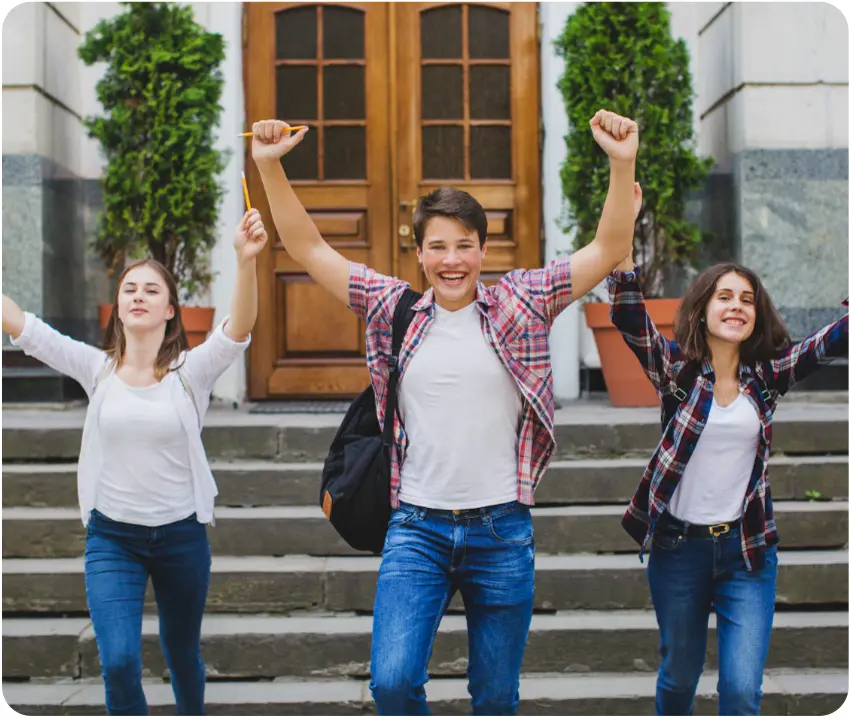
(299, 234)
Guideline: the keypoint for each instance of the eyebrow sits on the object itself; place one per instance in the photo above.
(147, 284)
(459, 239)
(732, 291)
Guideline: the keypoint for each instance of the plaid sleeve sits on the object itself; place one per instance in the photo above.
(659, 357)
(365, 287)
(798, 361)
(551, 286)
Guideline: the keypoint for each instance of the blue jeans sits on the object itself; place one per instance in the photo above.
(119, 558)
(687, 577)
(488, 555)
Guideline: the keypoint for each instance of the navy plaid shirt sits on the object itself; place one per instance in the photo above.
(763, 384)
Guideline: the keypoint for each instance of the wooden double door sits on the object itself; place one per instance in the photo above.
(401, 98)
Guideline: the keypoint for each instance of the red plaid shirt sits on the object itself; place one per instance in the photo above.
(516, 315)
(763, 384)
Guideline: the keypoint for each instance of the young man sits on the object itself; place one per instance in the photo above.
(476, 425)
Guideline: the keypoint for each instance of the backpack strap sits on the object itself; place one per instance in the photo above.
(187, 387)
(682, 385)
(101, 375)
(402, 317)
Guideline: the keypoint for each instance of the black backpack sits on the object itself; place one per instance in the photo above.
(682, 385)
(355, 494)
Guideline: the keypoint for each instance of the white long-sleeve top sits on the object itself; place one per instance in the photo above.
(202, 367)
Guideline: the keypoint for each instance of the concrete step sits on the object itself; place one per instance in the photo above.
(333, 646)
(797, 692)
(256, 584)
(288, 530)
(582, 430)
(269, 483)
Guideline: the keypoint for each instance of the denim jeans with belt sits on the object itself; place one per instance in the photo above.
(119, 558)
(687, 578)
(488, 555)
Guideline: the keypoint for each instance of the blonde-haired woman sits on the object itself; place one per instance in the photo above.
(145, 488)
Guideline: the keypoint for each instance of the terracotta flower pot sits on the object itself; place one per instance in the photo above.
(627, 384)
(196, 320)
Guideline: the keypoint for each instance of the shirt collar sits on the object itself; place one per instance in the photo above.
(482, 297)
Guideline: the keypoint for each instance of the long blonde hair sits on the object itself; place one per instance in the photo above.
(175, 341)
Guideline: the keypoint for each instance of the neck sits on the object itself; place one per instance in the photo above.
(725, 358)
(141, 350)
(452, 305)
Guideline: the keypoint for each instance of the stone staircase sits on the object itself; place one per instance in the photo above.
(288, 623)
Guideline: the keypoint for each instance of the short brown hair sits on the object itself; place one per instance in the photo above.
(769, 334)
(175, 341)
(454, 204)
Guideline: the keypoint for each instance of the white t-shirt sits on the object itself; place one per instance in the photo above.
(715, 481)
(461, 410)
(147, 477)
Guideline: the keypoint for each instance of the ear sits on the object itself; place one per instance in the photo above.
(170, 314)
(419, 254)
(484, 249)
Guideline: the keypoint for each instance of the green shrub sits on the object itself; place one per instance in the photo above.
(160, 95)
(622, 57)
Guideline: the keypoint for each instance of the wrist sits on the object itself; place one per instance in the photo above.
(268, 164)
(246, 263)
(618, 165)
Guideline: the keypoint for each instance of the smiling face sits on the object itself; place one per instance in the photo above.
(144, 302)
(451, 256)
(730, 314)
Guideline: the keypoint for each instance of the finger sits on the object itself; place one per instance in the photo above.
(607, 121)
(616, 124)
(268, 131)
(596, 119)
(277, 131)
(298, 136)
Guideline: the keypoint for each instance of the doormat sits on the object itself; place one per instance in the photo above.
(300, 407)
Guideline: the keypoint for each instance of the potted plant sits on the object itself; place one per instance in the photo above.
(623, 57)
(160, 97)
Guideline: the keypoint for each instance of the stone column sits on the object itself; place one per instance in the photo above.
(47, 265)
(773, 110)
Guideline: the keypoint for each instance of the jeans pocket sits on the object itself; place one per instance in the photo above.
(513, 528)
(668, 542)
(401, 517)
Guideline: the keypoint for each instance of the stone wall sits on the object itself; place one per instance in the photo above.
(772, 109)
(49, 207)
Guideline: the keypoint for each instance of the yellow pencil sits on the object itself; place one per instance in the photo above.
(291, 129)
(245, 189)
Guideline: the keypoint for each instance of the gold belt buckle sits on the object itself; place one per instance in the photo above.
(718, 529)
(456, 512)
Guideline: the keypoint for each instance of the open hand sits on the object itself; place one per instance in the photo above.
(272, 140)
(250, 237)
(615, 134)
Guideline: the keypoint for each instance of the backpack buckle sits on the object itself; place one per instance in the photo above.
(680, 394)
(392, 362)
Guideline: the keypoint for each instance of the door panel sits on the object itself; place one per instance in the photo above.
(471, 121)
(323, 65)
(401, 98)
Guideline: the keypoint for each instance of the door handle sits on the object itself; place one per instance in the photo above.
(404, 232)
(409, 203)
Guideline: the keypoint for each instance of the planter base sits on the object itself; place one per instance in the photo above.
(624, 378)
